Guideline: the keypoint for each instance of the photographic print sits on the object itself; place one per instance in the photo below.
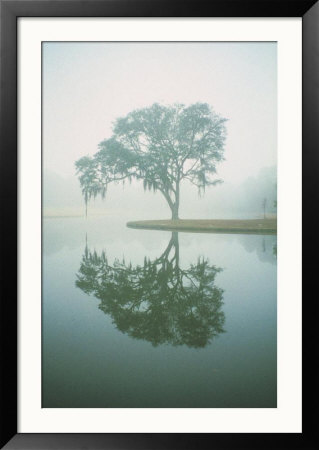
(159, 225)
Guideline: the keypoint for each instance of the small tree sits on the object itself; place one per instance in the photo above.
(161, 145)
(264, 203)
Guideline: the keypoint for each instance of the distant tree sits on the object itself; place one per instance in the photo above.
(157, 301)
(264, 203)
(161, 145)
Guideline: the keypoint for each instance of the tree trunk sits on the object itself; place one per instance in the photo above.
(175, 212)
(175, 206)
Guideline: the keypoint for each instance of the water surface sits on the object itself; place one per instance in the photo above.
(145, 318)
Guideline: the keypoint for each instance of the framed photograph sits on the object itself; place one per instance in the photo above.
(158, 162)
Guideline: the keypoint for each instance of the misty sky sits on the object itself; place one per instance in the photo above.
(86, 86)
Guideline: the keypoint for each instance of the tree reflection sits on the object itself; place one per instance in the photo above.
(158, 301)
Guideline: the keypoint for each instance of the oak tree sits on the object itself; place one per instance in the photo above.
(160, 145)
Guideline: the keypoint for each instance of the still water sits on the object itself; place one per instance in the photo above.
(151, 319)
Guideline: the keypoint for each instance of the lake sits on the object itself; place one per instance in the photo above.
(154, 319)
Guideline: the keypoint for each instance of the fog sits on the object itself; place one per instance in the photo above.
(62, 196)
(87, 86)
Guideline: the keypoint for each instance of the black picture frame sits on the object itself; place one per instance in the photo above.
(11, 10)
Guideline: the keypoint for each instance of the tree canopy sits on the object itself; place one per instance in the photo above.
(157, 301)
(161, 145)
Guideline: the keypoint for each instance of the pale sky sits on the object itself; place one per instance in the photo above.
(86, 86)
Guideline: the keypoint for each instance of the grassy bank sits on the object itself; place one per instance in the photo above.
(249, 226)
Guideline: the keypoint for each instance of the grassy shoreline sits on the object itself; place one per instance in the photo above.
(247, 226)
